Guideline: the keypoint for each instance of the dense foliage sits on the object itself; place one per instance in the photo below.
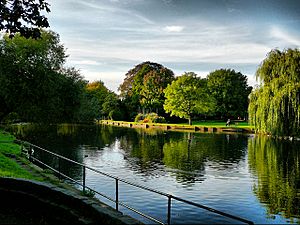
(23, 17)
(149, 118)
(231, 91)
(143, 87)
(275, 106)
(36, 87)
(188, 95)
(34, 84)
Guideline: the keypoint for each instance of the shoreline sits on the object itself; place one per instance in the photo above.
(23, 181)
(177, 127)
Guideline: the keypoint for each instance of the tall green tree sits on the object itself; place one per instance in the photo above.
(231, 91)
(113, 107)
(143, 87)
(188, 95)
(275, 106)
(94, 95)
(23, 17)
(33, 82)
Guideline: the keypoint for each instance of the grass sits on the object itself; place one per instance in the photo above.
(240, 124)
(9, 152)
(217, 124)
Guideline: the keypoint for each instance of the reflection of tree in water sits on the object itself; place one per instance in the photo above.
(69, 140)
(183, 153)
(277, 167)
(189, 154)
(144, 147)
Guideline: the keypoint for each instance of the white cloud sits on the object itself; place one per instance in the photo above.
(85, 62)
(112, 80)
(120, 35)
(173, 28)
(284, 37)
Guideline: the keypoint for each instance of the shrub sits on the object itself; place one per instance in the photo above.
(146, 120)
(159, 119)
(12, 117)
(149, 118)
(139, 117)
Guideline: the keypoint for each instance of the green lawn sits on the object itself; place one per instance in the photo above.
(218, 124)
(8, 165)
(238, 124)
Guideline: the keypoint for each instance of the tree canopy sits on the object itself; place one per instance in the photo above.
(23, 17)
(188, 95)
(275, 105)
(231, 91)
(33, 82)
(143, 86)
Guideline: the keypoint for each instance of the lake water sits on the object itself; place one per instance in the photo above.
(253, 177)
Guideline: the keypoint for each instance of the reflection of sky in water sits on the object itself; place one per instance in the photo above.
(215, 171)
(224, 185)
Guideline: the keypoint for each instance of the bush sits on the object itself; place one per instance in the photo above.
(12, 117)
(146, 120)
(159, 119)
(149, 118)
(139, 117)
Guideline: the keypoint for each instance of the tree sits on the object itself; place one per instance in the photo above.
(112, 107)
(143, 86)
(231, 91)
(94, 94)
(154, 83)
(24, 17)
(188, 95)
(33, 82)
(275, 106)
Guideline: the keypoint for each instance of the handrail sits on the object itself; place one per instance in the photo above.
(117, 179)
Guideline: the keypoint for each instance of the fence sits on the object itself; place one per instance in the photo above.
(28, 149)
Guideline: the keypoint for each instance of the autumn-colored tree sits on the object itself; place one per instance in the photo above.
(143, 87)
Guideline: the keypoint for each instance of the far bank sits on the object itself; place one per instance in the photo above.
(239, 126)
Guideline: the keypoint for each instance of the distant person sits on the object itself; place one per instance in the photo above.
(228, 122)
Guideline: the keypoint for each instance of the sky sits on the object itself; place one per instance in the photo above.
(106, 38)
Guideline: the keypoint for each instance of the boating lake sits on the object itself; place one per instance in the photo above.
(253, 177)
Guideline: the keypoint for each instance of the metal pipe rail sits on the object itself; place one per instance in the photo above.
(117, 180)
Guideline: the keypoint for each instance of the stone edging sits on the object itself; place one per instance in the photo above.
(58, 204)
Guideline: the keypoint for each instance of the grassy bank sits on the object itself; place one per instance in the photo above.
(235, 125)
(11, 162)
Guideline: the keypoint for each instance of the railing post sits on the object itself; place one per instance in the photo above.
(59, 176)
(22, 147)
(83, 178)
(117, 194)
(169, 209)
(30, 152)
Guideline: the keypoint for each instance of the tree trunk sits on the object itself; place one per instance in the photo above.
(190, 121)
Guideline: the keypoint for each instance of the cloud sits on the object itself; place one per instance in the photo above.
(174, 28)
(284, 37)
(112, 80)
(121, 34)
(85, 62)
(114, 9)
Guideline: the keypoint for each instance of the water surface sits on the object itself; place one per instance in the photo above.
(253, 177)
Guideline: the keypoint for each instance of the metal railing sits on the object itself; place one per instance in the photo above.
(29, 149)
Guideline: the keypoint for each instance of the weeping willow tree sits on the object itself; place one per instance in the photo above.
(274, 107)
